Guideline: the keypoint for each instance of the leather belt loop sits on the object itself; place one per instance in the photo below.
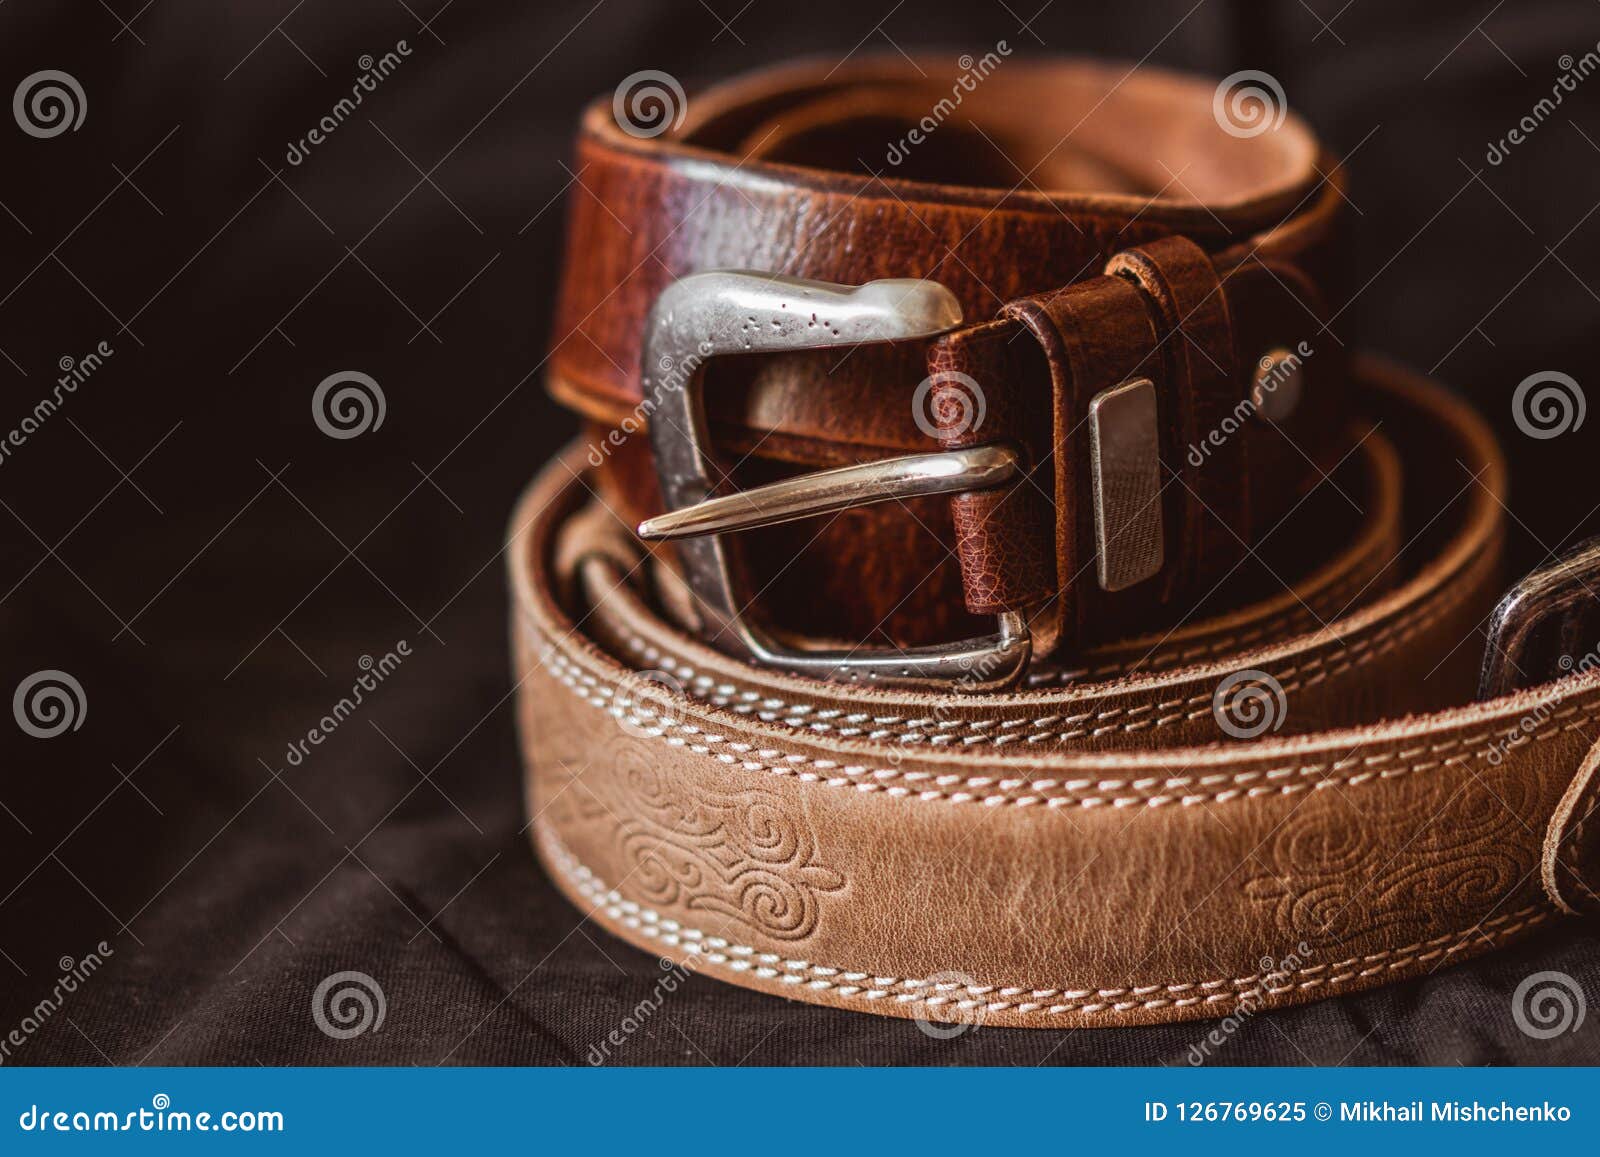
(1165, 767)
(1093, 334)
(1208, 510)
(1572, 843)
(1003, 536)
(836, 832)
(764, 174)
(1161, 312)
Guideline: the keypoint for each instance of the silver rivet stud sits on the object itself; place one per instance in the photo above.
(1279, 379)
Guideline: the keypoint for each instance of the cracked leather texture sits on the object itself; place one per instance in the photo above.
(1138, 863)
(762, 175)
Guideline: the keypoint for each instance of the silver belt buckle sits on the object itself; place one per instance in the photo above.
(708, 315)
(1546, 626)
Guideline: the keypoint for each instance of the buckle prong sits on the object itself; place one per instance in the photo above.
(825, 491)
(712, 314)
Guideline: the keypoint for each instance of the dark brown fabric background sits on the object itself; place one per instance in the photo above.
(183, 540)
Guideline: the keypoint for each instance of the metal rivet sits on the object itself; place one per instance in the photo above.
(1279, 379)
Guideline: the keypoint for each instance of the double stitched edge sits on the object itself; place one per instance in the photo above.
(1087, 467)
(798, 790)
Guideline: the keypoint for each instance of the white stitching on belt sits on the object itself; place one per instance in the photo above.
(832, 774)
(858, 985)
(1316, 669)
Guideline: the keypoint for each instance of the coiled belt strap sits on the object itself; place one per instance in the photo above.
(1127, 847)
(1146, 247)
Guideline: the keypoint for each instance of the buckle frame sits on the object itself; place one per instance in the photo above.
(722, 312)
(1545, 623)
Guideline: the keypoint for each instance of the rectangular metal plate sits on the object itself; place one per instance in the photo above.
(1125, 466)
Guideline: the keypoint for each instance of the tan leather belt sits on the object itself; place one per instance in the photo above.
(1210, 775)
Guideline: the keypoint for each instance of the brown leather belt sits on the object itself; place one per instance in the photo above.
(1222, 750)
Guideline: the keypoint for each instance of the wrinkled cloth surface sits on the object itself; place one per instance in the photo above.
(216, 572)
